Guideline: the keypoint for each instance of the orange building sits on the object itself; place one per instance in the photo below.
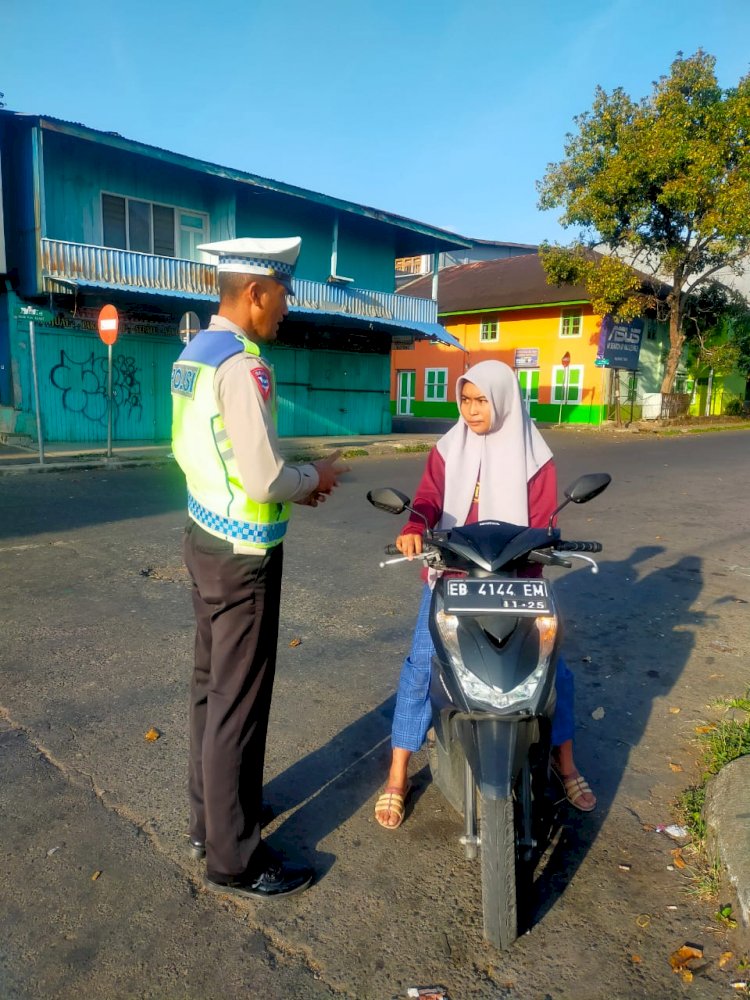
(505, 310)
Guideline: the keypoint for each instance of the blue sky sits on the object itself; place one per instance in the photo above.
(446, 112)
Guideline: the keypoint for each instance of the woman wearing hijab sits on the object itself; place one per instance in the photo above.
(493, 465)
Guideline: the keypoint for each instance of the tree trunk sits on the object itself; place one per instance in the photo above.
(676, 336)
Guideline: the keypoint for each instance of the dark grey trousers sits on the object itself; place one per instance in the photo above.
(236, 603)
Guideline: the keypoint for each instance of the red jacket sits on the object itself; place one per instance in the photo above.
(428, 499)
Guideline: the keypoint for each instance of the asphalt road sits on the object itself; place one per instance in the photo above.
(96, 649)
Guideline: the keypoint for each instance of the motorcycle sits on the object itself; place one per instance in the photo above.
(496, 632)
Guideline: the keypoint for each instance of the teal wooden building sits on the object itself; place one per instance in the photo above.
(89, 217)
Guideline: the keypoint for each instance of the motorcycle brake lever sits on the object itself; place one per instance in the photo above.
(588, 559)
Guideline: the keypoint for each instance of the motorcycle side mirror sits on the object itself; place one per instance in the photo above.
(390, 500)
(585, 488)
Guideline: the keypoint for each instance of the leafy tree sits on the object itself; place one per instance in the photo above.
(725, 346)
(715, 353)
(664, 183)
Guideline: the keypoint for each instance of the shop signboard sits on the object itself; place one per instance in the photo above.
(619, 343)
(527, 357)
(34, 314)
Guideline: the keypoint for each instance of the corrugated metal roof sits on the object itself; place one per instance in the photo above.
(433, 331)
(441, 238)
(512, 282)
(494, 284)
(503, 243)
(322, 316)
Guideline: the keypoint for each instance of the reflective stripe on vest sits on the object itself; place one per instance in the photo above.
(241, 531)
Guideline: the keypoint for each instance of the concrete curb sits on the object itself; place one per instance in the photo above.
(54, 465)
(727, 815)
(291, 448)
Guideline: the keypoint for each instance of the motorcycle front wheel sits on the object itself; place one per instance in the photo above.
(498, 854)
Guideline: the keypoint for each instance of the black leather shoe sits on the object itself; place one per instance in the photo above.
(277, 878)
(197, 848)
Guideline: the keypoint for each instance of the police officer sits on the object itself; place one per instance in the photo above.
(239, 495)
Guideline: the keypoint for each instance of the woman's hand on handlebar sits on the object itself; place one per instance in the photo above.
(409, 545)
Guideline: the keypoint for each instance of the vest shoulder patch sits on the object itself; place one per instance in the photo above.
(263, 380)
(184, 379)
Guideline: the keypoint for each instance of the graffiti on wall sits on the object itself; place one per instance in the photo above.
(83, 385)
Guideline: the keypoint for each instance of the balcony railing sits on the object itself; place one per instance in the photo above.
(66, 263)
(329, 298)
(109, 268)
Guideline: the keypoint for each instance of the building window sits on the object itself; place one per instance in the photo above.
(571, 323)
(528, 379)
(436, 385)
(570, 391)
(144, 227)
(192, 233)
(412, 265)
(489, 332)
(650, 329)
(405, 384)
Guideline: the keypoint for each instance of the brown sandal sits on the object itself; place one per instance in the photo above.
(575, 787)
(392, 801)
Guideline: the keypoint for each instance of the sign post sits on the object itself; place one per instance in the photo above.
(35, 378)
(109, 324)
(189, 326)
(35, 315)
(565, 361)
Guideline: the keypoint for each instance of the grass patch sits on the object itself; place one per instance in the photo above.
(704, 430)
(719, 744)
(743, 704)
(729, 740)
(355, 453)
(413, 448)
(691, 802)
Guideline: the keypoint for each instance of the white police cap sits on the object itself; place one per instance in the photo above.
(274, 257)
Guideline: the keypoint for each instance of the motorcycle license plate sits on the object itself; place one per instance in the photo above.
(494, 595)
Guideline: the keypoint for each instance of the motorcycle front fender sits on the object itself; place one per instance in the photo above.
(495, 749)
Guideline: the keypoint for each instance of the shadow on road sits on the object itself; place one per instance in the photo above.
(331, 784)
(64, 501)
(620, 621)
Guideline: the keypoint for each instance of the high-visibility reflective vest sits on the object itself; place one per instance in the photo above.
(217, 500)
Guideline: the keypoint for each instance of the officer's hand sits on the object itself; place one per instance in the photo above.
(312, 499)
(329, 470)
(409, 545)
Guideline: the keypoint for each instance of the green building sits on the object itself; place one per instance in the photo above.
(89, 217)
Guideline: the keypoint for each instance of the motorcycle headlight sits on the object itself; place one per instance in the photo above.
(489, 694)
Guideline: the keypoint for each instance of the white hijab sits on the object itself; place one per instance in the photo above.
(504, 459)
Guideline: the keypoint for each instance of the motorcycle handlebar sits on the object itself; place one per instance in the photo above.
(579, 546)
(391, 550)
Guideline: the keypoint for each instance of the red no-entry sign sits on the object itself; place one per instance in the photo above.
(566, 359)
(109, 324)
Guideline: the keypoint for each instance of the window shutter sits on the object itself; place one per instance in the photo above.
(139, 226)
(163, 231)
(558, 386)
(113, 222)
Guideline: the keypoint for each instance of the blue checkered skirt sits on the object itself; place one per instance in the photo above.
(413, 713)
